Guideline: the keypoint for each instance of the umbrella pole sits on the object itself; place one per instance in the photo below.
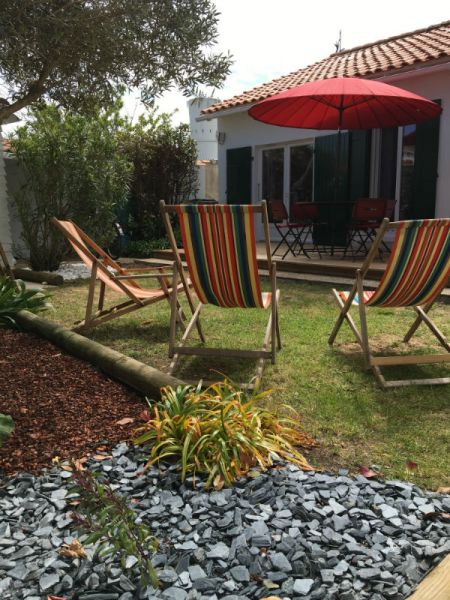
(337, 178)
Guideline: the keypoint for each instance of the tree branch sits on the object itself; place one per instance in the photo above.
(35, 91)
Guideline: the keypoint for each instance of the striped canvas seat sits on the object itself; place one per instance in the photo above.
(418, 267)
(111, 275)
(419, 264)
(220, 251)
(417, 271)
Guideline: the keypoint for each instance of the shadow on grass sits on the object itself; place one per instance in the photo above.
(212, 369)
(390, 345)
(143, 333)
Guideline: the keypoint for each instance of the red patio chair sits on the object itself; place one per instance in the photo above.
(278, 215)
(367, 216)
(304, 216)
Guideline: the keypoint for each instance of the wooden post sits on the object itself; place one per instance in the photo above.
(436, 585)
(362, 318)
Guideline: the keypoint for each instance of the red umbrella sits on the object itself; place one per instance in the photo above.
(344, 103)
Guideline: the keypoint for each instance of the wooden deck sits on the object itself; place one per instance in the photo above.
(300, 267)
(333, 270)
(436, 585)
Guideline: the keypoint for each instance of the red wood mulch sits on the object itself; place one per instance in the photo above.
(61, 406)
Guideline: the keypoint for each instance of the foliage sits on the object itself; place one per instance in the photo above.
(14, 297)
(6, 427)
(74, 170)
(163, 157)
(145, 248)
(82, 54)
(108, 520)
(220, 432)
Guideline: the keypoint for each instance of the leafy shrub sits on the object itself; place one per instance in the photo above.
(74, 169)
(144, 248)
(163, 158)
(220, 432)
(107, 519)
(14, 297)
(6, 427)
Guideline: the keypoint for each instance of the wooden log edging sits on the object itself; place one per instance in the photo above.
(38, 276)
(142, 378)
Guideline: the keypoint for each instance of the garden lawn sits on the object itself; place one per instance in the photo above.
(354, 421)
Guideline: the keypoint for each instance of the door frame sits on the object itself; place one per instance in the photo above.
(286, 146)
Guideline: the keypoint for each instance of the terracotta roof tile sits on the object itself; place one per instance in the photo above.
(391, 54)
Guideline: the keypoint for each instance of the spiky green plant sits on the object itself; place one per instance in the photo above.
(15, 297)
(220, 432)
(6, 427)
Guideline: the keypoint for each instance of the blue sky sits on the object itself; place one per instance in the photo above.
(270, 38)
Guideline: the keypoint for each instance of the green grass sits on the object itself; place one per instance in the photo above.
(354, 421)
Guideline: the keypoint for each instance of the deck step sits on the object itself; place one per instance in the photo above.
(319, 271)
(324, 267)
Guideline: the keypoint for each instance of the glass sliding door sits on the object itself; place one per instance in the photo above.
(301, 173)
(272, 174)
(407, 170)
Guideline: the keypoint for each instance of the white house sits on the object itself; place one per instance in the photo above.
(410, 164)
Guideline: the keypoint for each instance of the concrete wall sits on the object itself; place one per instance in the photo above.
(5, 228)
(15, 179)
(204, 133)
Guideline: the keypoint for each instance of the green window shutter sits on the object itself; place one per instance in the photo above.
(239, 175)
(423, 192)
(359, 164)
(325, 172)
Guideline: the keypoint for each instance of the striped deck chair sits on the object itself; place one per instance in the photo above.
(220, 252)
(416, 273)
(111, 275)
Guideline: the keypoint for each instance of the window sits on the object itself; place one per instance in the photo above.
(301, 173)
(407, 170)
(273, 174)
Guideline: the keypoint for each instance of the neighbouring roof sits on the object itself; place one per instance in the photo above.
(6, 145)
(391, 54)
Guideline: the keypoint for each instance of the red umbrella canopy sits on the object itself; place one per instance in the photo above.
(344, 103)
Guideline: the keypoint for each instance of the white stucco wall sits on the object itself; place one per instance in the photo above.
(241, 130)
(434, 84)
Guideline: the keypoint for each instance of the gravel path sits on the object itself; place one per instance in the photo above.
(287, 534)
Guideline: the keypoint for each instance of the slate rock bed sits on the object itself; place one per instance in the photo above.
(61, 406)
(286, 533)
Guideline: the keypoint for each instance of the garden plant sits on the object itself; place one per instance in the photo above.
(109, 522)
(14, 297)
(220, 432)
(74, 169)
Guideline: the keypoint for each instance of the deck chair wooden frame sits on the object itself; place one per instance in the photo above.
(272, 337)
(121, 280)
(428, 256)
